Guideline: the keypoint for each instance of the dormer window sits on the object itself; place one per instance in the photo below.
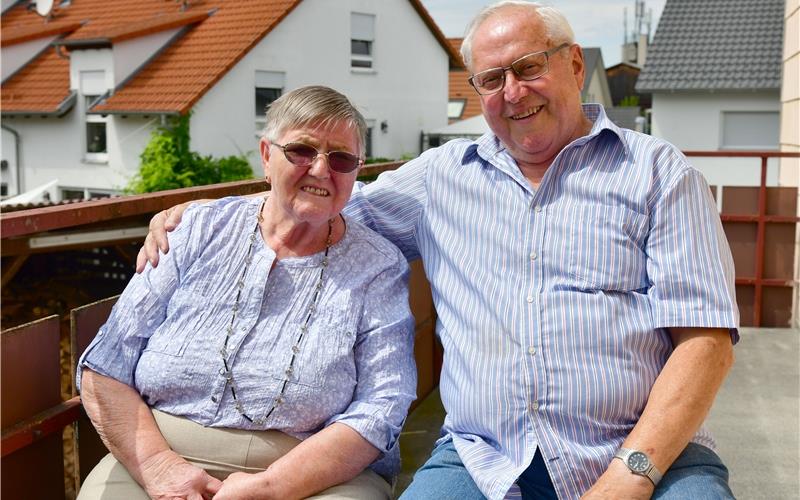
(92, 86)
(362, 37)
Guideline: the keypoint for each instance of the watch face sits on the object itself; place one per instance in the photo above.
(638, 462)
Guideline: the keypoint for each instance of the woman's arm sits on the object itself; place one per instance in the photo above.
(332, 456)
(127, 428)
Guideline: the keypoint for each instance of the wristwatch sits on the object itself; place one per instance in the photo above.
(638, 463)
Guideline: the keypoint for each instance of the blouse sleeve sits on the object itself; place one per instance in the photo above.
(140, 310)
(384, 356)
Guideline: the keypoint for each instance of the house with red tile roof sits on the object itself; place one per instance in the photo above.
(84, 85)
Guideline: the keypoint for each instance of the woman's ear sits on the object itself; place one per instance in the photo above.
(264, 148)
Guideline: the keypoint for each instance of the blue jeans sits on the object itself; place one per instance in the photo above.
(697, 473)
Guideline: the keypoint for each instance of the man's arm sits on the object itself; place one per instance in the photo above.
(127, 428)
(679, 402)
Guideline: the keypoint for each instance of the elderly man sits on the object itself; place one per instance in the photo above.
(582, 281)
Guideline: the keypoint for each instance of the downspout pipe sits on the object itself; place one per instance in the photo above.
(17, 161)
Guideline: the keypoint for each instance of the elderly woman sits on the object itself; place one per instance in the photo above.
(270, 353)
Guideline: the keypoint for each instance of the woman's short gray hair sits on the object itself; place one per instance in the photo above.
(557, 27)
(313, 105)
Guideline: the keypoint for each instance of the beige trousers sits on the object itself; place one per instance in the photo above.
(220, 452)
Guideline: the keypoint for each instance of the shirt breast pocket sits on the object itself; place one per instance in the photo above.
(606, 249)
(324, 352)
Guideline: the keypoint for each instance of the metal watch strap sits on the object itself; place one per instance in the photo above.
(651, 472)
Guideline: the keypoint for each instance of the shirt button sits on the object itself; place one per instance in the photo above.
(529, 299)
(531, 350)
(533, 255)
(214, 399)
(535, 406)
(537, 209)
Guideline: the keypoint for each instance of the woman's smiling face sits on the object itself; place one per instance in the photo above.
(313, 194)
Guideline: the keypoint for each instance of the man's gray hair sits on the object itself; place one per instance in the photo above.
(313, 105)
(557, 27)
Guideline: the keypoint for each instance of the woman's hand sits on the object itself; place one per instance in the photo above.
(242, 486)
(167, 476)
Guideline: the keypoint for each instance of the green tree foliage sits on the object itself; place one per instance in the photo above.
(168, 163)
(629, 101)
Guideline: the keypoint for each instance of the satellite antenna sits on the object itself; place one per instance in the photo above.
(44, 7)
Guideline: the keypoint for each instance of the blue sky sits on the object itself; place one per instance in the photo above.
(597, 23)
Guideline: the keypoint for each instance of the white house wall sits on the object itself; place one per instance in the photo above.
(693, 121)
(58, 156)
(407, 87)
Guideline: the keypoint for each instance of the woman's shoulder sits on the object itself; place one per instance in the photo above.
(371, 246)
(225, 210)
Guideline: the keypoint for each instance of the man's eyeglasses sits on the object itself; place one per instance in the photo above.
(303, 155)
(528, 67)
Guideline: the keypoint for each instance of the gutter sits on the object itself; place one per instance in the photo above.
(17, 141)
(63, 108)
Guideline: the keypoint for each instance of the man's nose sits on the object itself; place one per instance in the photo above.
(514, 88)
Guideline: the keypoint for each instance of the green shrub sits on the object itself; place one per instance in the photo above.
(168, 163)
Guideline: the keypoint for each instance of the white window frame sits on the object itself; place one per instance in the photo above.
(92, 86)
(362, 29)
(454, 105)
(274, 80)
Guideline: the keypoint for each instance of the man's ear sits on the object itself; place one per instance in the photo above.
(578, 65)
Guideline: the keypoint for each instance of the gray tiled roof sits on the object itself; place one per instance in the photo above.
(715, 45)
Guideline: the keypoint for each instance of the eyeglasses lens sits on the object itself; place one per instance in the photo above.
(303, 155)
(300, 154)
(529, 67)
(342, 162)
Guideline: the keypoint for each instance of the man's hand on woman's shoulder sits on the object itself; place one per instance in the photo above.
(161, 223)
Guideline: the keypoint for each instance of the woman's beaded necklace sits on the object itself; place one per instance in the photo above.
(227, 371)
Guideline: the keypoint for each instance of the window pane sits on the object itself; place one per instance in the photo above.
(750, 130)
(265, 97)
(72, 194)
(455, 108)
(368, 152)
(96, 137)
(358, 63)
(361, 47)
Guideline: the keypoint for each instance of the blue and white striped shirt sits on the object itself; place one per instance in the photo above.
(553, 303)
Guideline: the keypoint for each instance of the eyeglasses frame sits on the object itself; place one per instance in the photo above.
(359, 163)
(547, 55)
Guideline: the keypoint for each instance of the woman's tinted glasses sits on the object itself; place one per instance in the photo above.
(303, 155)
